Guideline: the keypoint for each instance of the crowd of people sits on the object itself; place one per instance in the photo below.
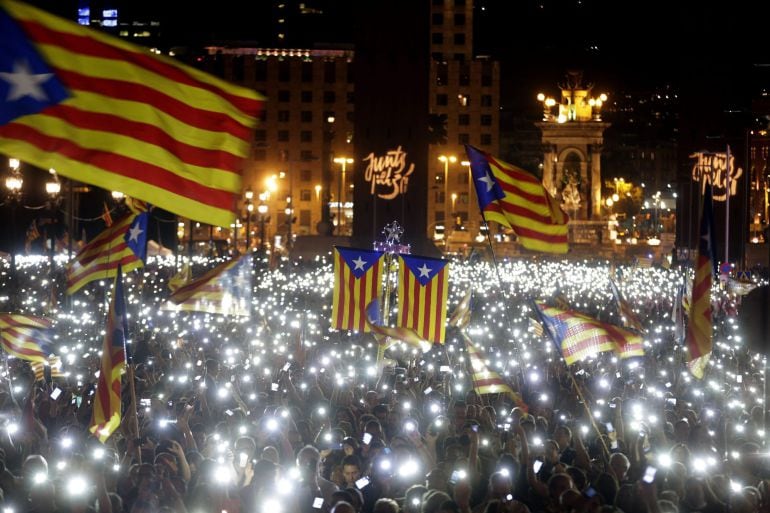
(277, 413)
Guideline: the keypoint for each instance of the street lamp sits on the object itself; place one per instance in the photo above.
(344, 161)
(52, 188)
(14, 182)
(262, 209)
(249, 195)
(446, 159)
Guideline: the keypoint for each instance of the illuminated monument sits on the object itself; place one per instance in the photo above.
(572, 145)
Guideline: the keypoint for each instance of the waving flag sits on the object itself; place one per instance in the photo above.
(105, 416)
(487, 381)
(48, 370)
(181, 278)
(579, 336)
(461, 316)
(109, 113)
(225, 289)
(423, 284)
(699, 330)
(382, 333)
(123, 244)
(26, 337)
(357, 281)
(627, 315)
(516, 199)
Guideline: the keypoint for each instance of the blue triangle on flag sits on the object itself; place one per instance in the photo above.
(359, 260)
(136, 236)
(424, 268)
(27, 84)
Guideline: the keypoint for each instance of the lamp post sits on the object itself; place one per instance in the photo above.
(446, 159)
(262, 209)
(289, 221)
(249, 195)
(343, 161)
(14, 183)
(52, 188)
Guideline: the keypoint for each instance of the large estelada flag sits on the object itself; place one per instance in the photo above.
(225, 289)
(516, 199)
(486, 380)
(109, 113)
(698, 338)
(357, 281)
(423, 285)
(579, 336)
(122, 244)
(105, 416)
(26, 336)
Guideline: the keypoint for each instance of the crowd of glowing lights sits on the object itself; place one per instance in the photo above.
(290, 324)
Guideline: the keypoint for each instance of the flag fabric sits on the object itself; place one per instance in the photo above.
(698, 338)
(106, 215)
(123, 244)
(461, 316)
(52, 368)
(26, 336)
(383, 333)
(112, 114)
(627, 315)
(579, 336)
(423, 284)
(487, 381)
(357, 281)
(105, 416)
(516, 199)
(181, 278)
(225, 289)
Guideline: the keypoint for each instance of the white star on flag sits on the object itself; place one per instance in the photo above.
(135, 233)
(25, 83)
(424, 270)
(487, 180)
(360, 262)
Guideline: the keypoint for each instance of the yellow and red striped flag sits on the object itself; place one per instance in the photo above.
(105, 416)
(225, 289)
(52, 368)
(627, 315)
(487, 381)
(26, 336)
(698, 338)
(383, 333)
(516, 199)
(357, 281)
(106, 215)
(423, 286)
(123, 244)
(578, 336)
(183, 277)
(461, 316)
(109, 113)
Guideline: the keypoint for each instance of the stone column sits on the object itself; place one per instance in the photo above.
(596, 180)
(549, 154)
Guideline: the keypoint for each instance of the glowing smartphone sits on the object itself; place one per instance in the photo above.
(536, 465)
(362, 483)
(649, 474)
(367, 438)
(56, 393)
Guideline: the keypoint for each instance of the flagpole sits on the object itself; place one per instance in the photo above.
(132, 406)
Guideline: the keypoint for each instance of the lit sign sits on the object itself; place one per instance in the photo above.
(712, 168)
(389, 171)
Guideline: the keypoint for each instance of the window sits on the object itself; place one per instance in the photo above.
(305, 155)
(437, 38)
(306, 96)
(329, 97)
(463, 99)
(350, 97)
(304, 218)
(459, 20)
(459, 57)
(440, 216)
(486, 80)
(260, 154)
(486, 120)
(305, 195)
(350, 116)
(330, 72)
(283, 116)
(465, 75)
(439, 197)
(260, 71)
(463, 199)
(437, 18)
(284, 95)
(305, 175)
(283, 135)
(464, 119)
(283, 71)
(459, 38)
(307, 72)
(463, 139)
(260, 135)
(486, 74)
(486, 100)
(486, 139)
(441, 99)
(306, 136)
(438, 178)
(442, 74)
(306, 116)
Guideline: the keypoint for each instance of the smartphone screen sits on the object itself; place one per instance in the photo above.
(56, 393)
(649, 474)
(362, 483)
(536, 465)
(367, 438)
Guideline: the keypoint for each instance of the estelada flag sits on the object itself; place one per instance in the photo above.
(357, 281)
(109, 113)
(423, 286)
